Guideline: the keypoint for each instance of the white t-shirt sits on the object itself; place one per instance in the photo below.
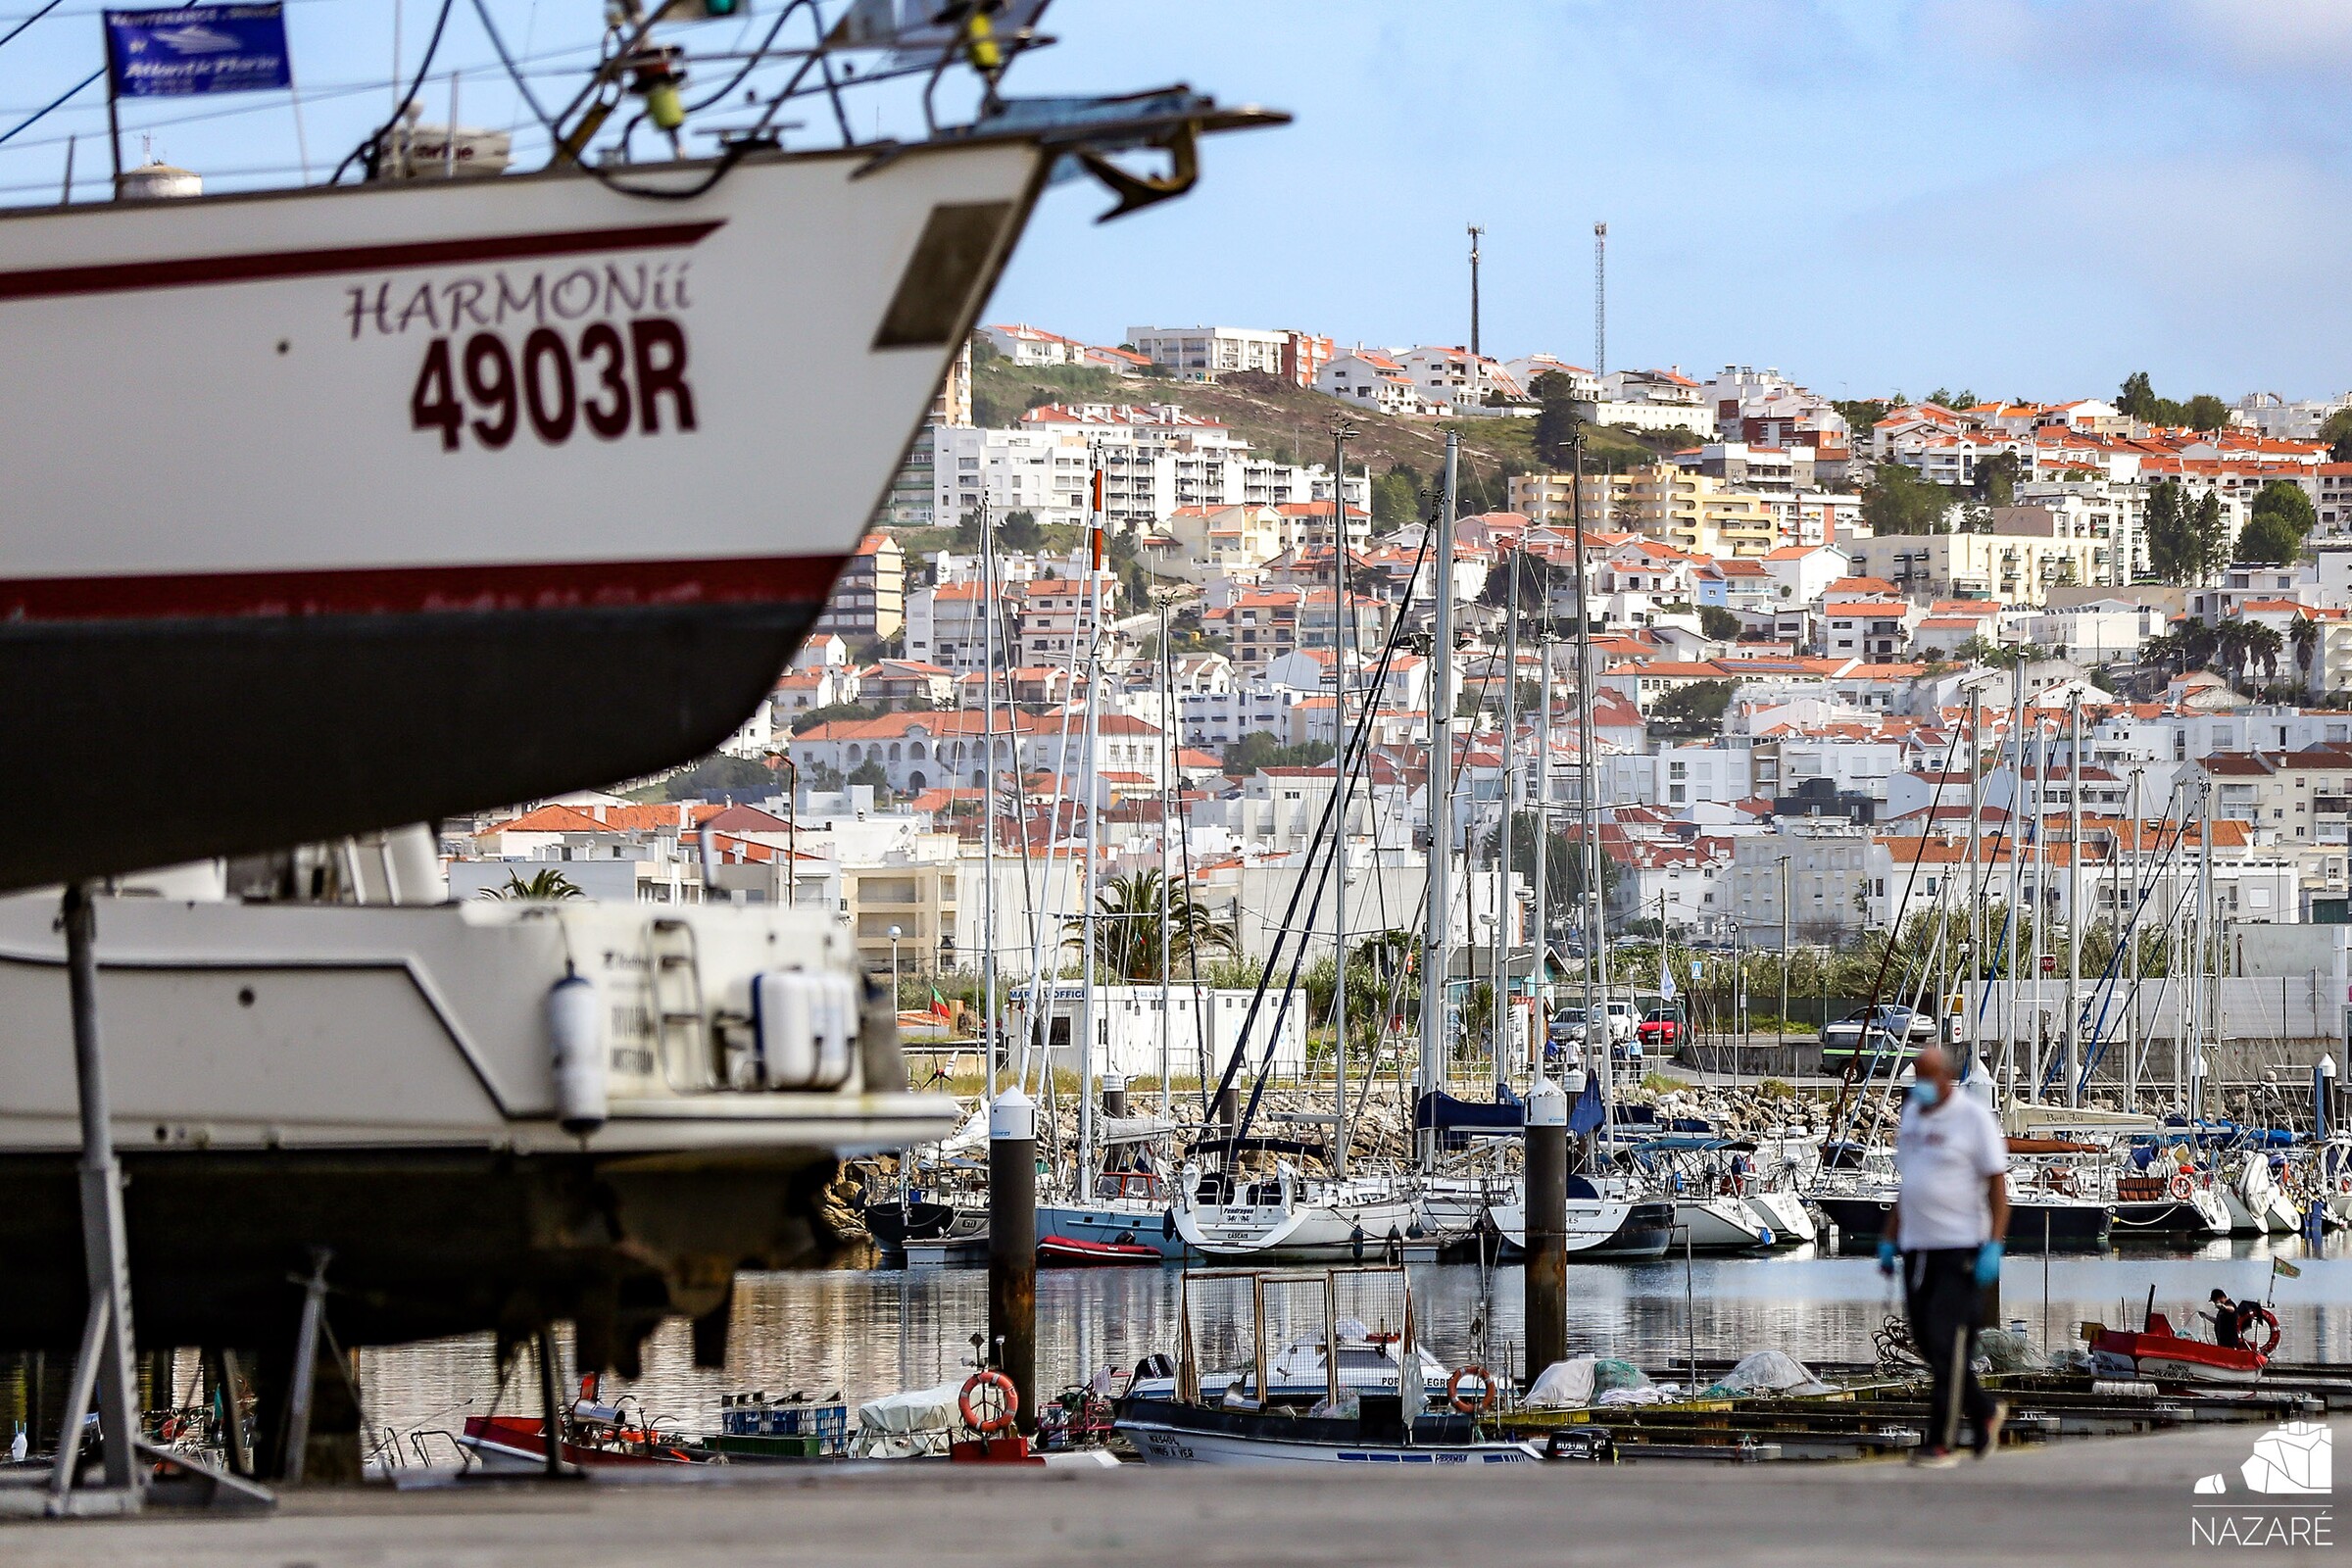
(1944, 1157)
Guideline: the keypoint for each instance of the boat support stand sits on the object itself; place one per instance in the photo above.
(102, 1367)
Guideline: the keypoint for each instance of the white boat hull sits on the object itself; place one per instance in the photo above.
(1176, 1446)
(338, 573)
(1783, 1213)
(1310, 1230)
(1719, 1225)
(380, 1080)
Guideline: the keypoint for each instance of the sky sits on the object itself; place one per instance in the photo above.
(2023, 199)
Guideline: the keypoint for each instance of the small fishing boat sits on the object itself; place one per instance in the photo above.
(519, 1442)
(1598, 1228)
(2157, 1354)
(1343, 1417)
(1075, 1252)
(1124, 1218)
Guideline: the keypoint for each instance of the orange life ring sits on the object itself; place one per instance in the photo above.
(2182, 1187)
(2264, 1316)
(989, 1379)
(1486, 1386)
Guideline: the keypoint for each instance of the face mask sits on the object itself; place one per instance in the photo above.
(1926, 1095)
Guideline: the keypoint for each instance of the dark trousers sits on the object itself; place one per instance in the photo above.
(1941, 1300)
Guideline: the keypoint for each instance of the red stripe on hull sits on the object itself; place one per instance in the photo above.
(116, 277)
(406, 590)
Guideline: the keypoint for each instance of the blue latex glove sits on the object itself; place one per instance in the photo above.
(1886, 1255)
(1988, 1263)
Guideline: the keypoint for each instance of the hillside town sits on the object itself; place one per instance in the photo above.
(1835, 650)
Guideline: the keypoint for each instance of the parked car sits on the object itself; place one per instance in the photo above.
(1888, 1026)
(1660, 1027)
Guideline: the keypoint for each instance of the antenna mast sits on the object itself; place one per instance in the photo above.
(1600, 299)
(1475, 232)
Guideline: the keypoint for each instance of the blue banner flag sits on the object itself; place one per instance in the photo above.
(197, 49)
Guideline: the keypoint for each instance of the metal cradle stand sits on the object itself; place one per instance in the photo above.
(102, 1368)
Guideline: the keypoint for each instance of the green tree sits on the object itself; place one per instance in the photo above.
(1860, 414)
(2137, 398)
(1556, 422)
(2337, 433)
(2269, 539)
(1952, 400)
(2205, 412)
(1397, 497)
(1698, 706)
(1019, 531)
(2284, 499)
(1259, 749)
(1899, 500)
(715, 774)
(814, 716)
(871, 771)
(1996, 479)
(2170, 548)
(1719, 624)
(543, 885)
(1127, 930)
(2211, 532)
(2306, 638)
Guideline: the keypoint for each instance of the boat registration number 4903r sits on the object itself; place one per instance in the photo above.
(609, 379)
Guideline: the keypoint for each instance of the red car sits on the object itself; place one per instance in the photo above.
(1659, 1027)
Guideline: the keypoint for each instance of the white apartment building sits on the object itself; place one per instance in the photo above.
(1154, 458)
(1204, 353)
(1835, 873)
(1676, 777)
(2276, 416)
(1215, 720)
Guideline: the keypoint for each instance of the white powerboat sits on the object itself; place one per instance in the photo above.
(604, 1108)
(1291, 1217)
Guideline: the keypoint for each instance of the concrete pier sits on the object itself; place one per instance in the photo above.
(2125, 1502)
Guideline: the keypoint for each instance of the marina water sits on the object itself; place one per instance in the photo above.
(869, 1332)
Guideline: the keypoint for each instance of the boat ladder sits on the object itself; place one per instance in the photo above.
(681, 1024)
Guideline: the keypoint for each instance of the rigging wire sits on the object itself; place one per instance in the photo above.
(29, 21)
(38, 112)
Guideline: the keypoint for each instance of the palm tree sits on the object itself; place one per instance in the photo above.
(2306, 637)
(2263, 646)
(543, 885)
(1127, 925)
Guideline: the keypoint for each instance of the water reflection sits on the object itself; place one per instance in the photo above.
(867, 1333)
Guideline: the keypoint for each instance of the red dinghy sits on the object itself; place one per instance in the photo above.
(2156, 1354)
(1070, 1252)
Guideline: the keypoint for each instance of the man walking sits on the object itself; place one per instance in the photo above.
(1950, 1213)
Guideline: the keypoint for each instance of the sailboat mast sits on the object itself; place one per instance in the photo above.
(988, 795)
(1509, 801)
(1089, 785)
(1340, 636)
(1542, 913)
(1438, 797)
(2075, 925)
(1587, 820)
(1168, 800)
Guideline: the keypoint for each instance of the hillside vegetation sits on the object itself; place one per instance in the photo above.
(1293, 424)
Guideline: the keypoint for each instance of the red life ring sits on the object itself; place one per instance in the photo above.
(999, 1420)
(1485, 1388)
(2182, 1187)
(2264, 1316)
